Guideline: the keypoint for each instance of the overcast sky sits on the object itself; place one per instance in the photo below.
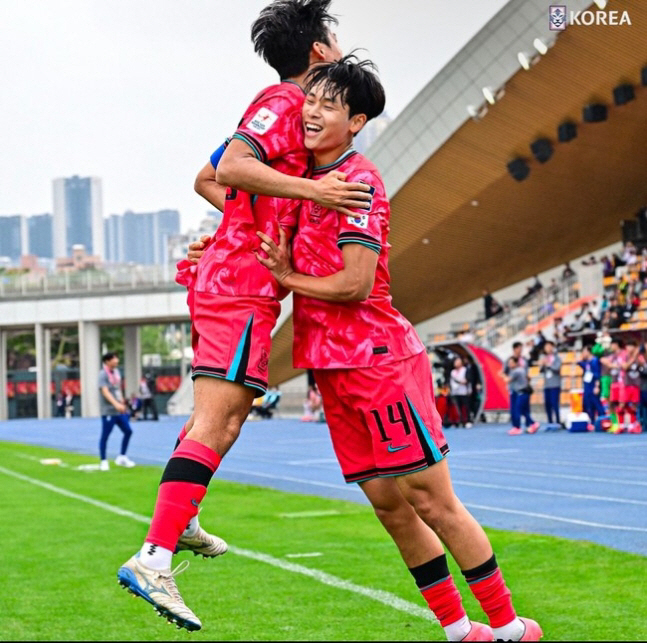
(140, 92)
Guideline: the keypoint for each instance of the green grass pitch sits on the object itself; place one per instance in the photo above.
(65, 532)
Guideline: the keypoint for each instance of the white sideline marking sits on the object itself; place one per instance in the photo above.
(552, 475)
(564, 494)
(312, 554)
(556, 518)
(386, 598)
(314, 514)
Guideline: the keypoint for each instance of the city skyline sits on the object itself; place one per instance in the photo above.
(143, 92)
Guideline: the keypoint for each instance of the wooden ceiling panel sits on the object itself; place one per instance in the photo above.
(567, 207)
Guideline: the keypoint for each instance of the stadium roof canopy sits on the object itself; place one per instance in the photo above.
(459, 221)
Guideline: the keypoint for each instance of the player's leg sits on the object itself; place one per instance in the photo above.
(431, 494)
(429, 490)
(229, 369)
(421, 550)
(107, 424)
(424, 556)
(122, 459)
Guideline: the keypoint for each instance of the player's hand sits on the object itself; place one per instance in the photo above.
(278, 257)
(121, 407)
(334, 193)
(197, 248)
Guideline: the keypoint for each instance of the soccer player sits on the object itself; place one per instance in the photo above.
(234, 301)
(372, 368)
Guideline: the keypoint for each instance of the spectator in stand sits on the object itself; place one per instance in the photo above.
(608, 268)
(559, 333)
(537, 347)
(591, 403)
(567, 272)
(491, 305)
(459, 390)
(591, 322)
(630, 254)
(550, 365)
(591, 261)
(516, 375)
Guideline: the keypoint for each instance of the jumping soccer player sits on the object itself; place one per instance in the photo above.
(234, 301)
(372, 369)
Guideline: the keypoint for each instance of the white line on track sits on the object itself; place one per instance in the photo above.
(537, 474)
(270, 476)
(543, 492)
(587, 464)
(620, 445)
(386, 598)
(572, 521)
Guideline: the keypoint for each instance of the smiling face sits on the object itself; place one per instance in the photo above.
(328, 127)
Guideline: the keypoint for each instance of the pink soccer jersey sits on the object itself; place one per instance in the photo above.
(331, 335)
(272, 127)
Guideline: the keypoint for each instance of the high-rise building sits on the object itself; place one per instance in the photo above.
(41, 244)
(114, 238)
(78, 215)
(141, 237)
(13, 236)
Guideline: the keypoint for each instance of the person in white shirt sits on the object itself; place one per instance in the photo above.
(459, 390)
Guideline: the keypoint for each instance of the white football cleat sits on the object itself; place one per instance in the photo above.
(160, 590)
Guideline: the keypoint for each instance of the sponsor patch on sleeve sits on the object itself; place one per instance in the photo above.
(359, 220)
(262, 121)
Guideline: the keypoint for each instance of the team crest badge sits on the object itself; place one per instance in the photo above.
(557, 17)
(262, 121)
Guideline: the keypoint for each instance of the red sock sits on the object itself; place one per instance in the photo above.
(181, 436)
(437, 586)
(182, 488)
(444, 601)
(489, 588)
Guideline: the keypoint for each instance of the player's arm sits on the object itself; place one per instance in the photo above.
(205, 183)
(240, 168)
(354, 282)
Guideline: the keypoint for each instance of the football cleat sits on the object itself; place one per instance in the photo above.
(202, 544)
(160, 590)
(532, 630)
(479, 632)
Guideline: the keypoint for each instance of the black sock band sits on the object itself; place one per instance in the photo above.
(430, 572)
(485, 569)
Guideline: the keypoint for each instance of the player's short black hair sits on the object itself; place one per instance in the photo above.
(108, 356)
(355, 83)
(516, 345)
(285, 30)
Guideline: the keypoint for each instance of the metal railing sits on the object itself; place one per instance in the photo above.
(516, 318)
(120, 278)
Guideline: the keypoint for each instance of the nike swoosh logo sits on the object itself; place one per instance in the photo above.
(194, 503)
(392, 449)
